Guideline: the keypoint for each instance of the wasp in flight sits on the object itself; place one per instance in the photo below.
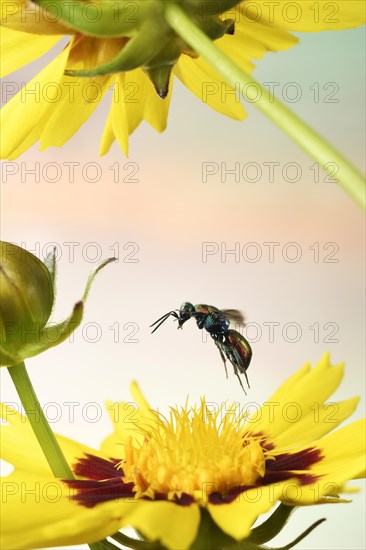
(230, 343)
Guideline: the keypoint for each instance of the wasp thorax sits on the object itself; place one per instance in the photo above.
(216, 323)
(26, 299)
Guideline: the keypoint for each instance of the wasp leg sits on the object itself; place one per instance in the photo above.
(219, 346)
(238, 377)
(234, 359)
(200, 319)
(240, 365)
(163, 319)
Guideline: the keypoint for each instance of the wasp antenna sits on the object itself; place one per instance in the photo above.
(162, 319)
(165, 316)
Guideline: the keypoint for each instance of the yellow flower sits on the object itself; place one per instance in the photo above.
(160, 474)
(53, 106)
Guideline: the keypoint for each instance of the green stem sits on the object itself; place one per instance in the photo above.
(348, 176)
(45, 436)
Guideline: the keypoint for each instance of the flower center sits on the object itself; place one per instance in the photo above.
(193, 452)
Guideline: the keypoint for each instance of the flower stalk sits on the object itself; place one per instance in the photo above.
(42, 430)
(349, 177)
(45, 437)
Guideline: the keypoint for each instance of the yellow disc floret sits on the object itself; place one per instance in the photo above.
(193, 452)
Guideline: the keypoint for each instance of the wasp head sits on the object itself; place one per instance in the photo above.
(186, 311)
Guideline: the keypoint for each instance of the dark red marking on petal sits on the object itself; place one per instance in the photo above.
(225, 497)
(94, 467)
(105, 483)
(90, 493)
(183, 500)
(285, 466)
(302, 460)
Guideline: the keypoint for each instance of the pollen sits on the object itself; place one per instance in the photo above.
(193, 452)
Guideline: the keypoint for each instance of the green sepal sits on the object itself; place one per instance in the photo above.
(53, 335)
(137, 52)
(136, 544)
(213, 7)
(112, 20)
(160, 77)
(209, 535)
(7, 358)
(215, 28)
(156, 49)
(272, 526)
(93, 275)
(247, 545)
(50, 263)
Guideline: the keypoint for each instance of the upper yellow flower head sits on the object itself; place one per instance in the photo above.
(130, 47)
(200, 470)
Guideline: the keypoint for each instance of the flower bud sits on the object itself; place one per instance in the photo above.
(27, 288)
(27, 297)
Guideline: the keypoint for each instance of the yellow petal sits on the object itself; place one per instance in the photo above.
(20, 447)
(209, 87)
(315, 422)
(79, 97)
(344, 459)
(37, 511)
(173, 525)
(237, 518)
(31, 47)
(143, 103)
(140, 398)
(134, 100)
(233, 47)
(108, 136)
(126, 418)
(273, 38)
(300, 399)
(26, 16)
(119, 116)
(306, 15)
(25, 111)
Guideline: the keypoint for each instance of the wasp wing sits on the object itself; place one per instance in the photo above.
(234, 315)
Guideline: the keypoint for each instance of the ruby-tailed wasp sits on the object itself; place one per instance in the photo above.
(230, 343)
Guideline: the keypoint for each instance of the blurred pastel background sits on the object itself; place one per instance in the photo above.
(157, 224)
